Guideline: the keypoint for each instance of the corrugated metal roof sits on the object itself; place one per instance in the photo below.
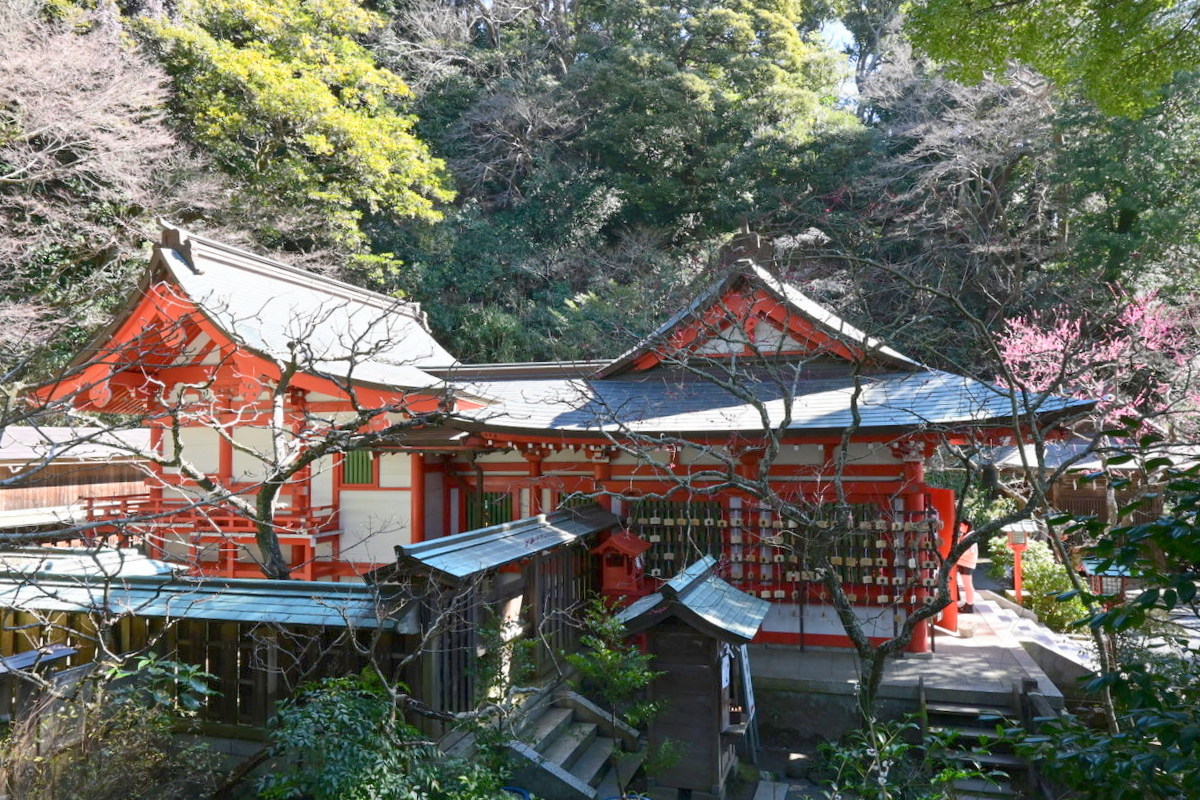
(217, 600)
(697, 595)
(477, 551)
(674, 401)
(112, 562)
(269, 307)
(117, 583)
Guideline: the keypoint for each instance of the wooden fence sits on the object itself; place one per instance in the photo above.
(255, 664)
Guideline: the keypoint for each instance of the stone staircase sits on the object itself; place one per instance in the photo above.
(973, 728)
(568, 749)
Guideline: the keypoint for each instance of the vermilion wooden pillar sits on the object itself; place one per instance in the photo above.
(417, 496)
(602, 473)
(943, 501)
(534, 459)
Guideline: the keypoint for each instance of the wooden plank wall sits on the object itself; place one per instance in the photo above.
(62, 485)
(255, 665)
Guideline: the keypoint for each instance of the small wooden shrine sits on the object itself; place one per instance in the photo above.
(697, 627)
(621, 573)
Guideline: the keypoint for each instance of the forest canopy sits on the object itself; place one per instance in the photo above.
(544, 176)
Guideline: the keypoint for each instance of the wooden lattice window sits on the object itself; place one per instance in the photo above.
(575, 500)
(358, 468)
(488, 508)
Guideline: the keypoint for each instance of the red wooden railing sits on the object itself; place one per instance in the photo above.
(150, 522)
(201, 517)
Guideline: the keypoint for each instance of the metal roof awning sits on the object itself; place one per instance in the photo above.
(121, 583)
(704, 601)
(466, 554)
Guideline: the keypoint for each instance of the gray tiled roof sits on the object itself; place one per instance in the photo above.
(696, 594)
(22, 444)
(470, 553)
(347, 332)
(674, 401)
(796, 301)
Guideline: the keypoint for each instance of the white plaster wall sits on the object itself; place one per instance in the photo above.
(248, 466)
(177, 548)
(661, 456)
(322, 482)
(199, 447)
(801, 454)
(502, 457)
(374, 522)
(823, 620)
(395, 470)
(693, 455)
(870, 453)
(565, 457)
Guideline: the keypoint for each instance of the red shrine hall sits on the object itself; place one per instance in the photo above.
(749, 426)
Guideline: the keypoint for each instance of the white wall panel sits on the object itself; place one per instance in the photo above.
(374, 522)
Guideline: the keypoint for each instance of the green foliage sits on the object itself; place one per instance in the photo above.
(174, 686)
(113, 739)
(1047, 589)
(1155, 753)
(696, 109)
(1120, 52)
(285, 97)
(981, 508)
(1130, 186)
(610, 668)
(596, 153)
(341, 739)
(538, 280)
(880, 761)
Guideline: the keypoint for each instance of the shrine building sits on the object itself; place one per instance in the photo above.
(754, 426)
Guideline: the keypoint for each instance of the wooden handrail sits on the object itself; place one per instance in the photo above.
(179, 512)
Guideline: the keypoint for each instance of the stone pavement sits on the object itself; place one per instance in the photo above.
(980, 669)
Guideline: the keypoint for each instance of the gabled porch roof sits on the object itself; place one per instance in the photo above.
(704, 601)
(468, 554)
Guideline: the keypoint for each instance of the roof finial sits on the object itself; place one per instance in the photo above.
(747, 245)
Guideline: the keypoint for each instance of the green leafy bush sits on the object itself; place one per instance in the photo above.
(611, 668)
(113, 739)
(1045, 580)
(881, 761)
(1156, 751)
(342, 739)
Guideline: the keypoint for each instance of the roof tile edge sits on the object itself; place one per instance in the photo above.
(193, 247)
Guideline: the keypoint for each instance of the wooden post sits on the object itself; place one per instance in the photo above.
(417, 494)
(943, 501)
(534, 458)
(602, 473)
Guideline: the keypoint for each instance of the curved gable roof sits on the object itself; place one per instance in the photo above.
(273, 308)
(796, 305)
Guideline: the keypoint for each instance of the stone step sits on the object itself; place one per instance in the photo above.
(973, 712)
(1003, 762)
(543, 731)
(571, 743)
(592, 763)
(966, 733)
(982, 788)
(771, 790)
(967, 717)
